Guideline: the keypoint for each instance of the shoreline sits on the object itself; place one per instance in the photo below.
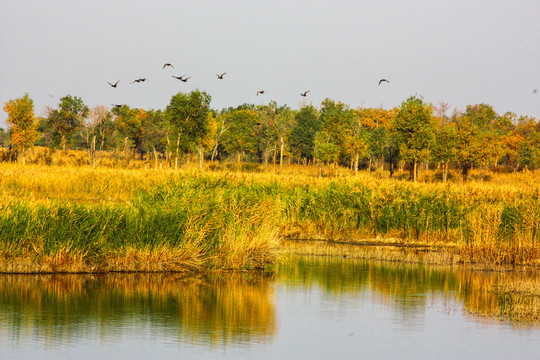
(393, 250)
(184, 261)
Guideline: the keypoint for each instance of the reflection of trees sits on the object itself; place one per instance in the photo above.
(229, 308)
(408, 287)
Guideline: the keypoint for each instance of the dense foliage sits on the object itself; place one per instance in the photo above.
(414, 136)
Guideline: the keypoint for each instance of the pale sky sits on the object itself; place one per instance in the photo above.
(461, 51)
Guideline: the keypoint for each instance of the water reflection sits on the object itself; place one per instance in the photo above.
(408, 289)
(215, 309)
(231, 309)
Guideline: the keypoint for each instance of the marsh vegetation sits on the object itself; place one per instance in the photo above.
(84, 219)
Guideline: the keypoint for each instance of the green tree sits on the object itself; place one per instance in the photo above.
(356, 141)
(377, 124)
(64, 122)
(528, 129)
(276, 125)
(23, 123)
(97, 128)
(241, 138)
(338, 121)
(102, 126)
(4, 138)
(188, 115)
(302, 136)
(326, 150)
(477, 141)
(129, 124)
(154, 129)
(413, 128)
(444, 147)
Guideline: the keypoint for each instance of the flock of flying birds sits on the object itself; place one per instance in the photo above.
(219, 76)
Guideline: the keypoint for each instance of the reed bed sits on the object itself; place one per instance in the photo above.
(178, 226)
(81, 218)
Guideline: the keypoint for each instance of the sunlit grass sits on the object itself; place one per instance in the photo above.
(76, 217)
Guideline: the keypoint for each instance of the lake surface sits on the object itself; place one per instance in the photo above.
(313, 308)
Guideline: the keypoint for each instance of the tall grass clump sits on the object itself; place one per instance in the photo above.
(483, 224)
(172, 227)
(396, 210)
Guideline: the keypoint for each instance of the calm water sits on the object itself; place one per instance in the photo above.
(314, 308)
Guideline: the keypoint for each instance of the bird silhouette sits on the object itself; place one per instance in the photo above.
(115, 84)
(260, 92)
(168, 64)
(185, 79)
(178, 77)
(382, 80)
(304, 93)
(220, 76)
(138, 81)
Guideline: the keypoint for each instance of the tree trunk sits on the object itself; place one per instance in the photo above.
(93, 151)
(101, 150)
(155, 157)
(238, 159)
(445, 172)
(214, 152)
(275, 153)
(126, 153)
(281, 152)
(465, 170)
(266, 154)
(201, 157)
(413, 174)
(64, 145)
(167, 151)
(177, 153)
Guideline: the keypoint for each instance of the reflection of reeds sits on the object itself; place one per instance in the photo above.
(216, 309)
(508, 296)
(517, 299)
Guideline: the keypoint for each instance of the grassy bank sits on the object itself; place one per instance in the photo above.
(67, 218)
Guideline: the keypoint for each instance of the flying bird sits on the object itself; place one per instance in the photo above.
(138, 81)
(185, 79)
(382, 80)
(220, 76)
(115, 84)
(178, 77)
(167, 64)
(260, 92)
(304, 93)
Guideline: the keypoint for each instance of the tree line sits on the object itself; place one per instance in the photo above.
(409, 136)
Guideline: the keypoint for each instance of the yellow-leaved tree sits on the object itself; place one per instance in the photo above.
(23, 124)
